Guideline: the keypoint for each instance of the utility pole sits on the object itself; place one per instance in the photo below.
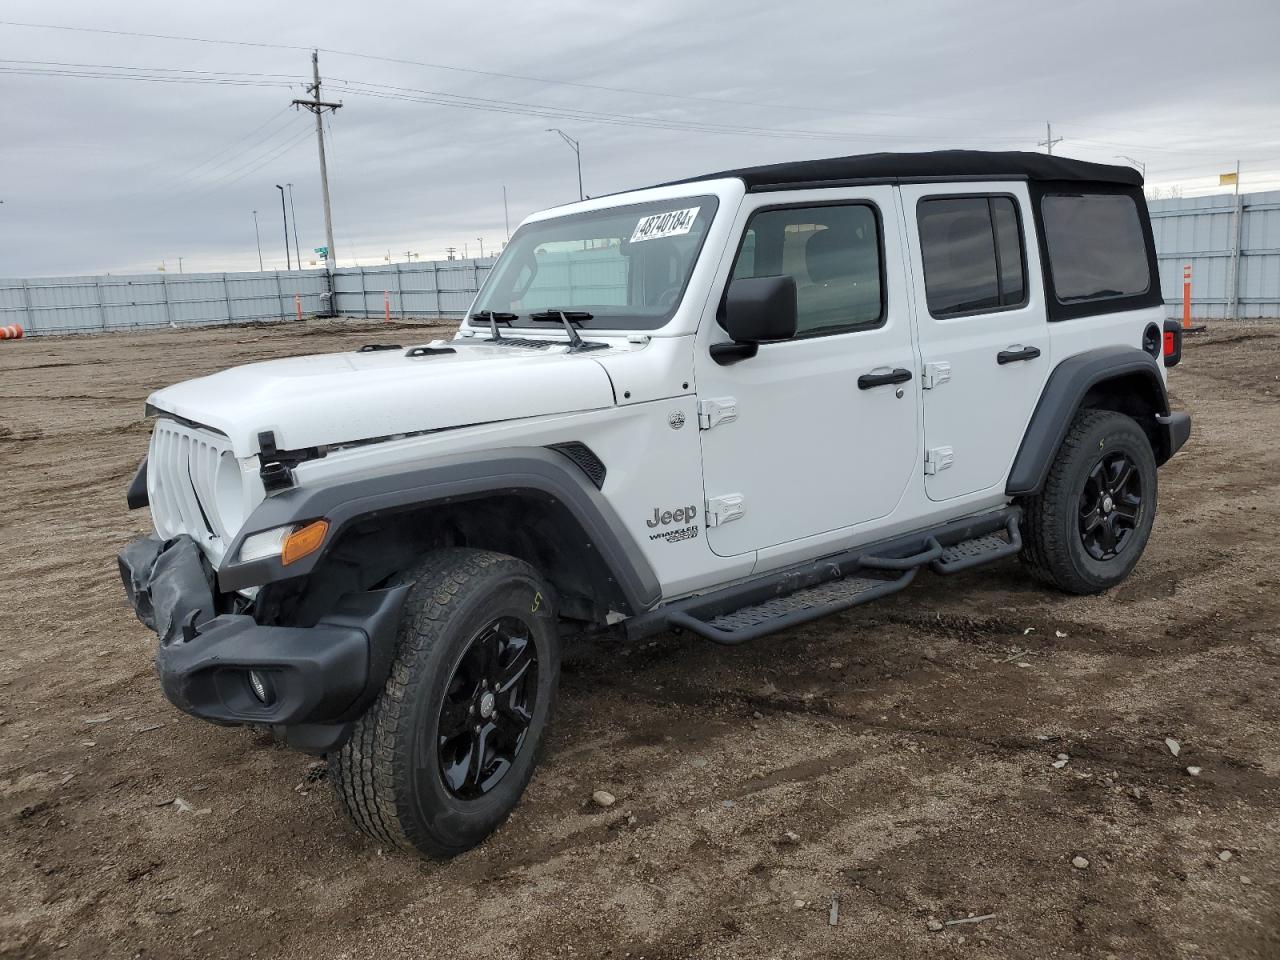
(465, 255)
(451, 253)
(288, 264)
(1048, 140)
(576, 147)
(257, 236)
(506, 217)
(179, 264)
(294, 213)
(317, 107)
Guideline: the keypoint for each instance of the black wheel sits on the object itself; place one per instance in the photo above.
(1088, 526)
(443, 755)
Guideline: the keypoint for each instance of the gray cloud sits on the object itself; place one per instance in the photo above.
(117, 175)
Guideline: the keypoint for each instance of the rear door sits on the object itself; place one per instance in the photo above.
(984, 339)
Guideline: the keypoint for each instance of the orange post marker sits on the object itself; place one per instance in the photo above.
(297, 302)
(386, 303)
(1186, 296)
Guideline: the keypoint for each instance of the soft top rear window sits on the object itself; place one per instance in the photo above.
(1096, 245)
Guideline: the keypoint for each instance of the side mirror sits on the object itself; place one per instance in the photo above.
(756, 310)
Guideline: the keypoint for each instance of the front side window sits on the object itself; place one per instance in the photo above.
(833, 253)
(974, 260)
(1096, 246)
(626, 266)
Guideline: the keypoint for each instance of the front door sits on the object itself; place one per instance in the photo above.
(984, 341)
(819, 432)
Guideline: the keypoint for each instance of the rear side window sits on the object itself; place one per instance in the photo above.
(974, 259)
(1096, 246)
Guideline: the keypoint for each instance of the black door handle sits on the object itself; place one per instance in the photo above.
(1013, 356)
(869, 380)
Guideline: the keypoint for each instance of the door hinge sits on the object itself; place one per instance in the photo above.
(938, 458)
(935, 373)
(718, 410)
(723, 509)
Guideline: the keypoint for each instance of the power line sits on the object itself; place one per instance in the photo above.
(526, 78)
(494, 105)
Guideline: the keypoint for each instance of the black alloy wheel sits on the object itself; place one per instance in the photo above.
(1110, 505)
(487, 708)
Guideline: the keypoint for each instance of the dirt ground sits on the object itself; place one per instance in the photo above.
(899, 757)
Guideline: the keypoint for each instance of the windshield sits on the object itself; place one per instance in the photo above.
(627, 266)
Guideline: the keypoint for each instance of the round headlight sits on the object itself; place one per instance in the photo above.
(229, 493)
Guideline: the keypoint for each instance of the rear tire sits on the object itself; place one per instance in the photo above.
(443, 755)
(1087, 527)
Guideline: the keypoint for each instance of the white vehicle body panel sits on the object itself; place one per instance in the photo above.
(338, 398)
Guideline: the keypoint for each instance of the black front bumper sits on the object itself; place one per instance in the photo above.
(317, 678)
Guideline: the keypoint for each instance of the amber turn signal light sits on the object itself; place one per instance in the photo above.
(304, 541)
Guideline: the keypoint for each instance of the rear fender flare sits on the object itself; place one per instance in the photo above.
(1064, 393)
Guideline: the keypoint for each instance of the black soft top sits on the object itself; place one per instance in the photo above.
(934, 165)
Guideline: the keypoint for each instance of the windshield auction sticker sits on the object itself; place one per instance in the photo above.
(673, 223)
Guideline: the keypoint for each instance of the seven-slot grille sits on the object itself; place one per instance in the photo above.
(182, 477)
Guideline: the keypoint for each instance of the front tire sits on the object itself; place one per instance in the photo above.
(1087, 527)
(443, 755)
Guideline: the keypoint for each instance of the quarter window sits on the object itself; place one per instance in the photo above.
(833, 254)
(1096, 247)
(974, 260)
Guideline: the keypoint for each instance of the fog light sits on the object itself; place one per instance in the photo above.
(260, 686)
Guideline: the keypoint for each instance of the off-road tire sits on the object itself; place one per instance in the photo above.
(1053, 550)
(387, 776)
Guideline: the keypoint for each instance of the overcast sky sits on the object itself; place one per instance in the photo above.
(119, 175)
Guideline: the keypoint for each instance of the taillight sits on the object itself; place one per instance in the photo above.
(1172, 343)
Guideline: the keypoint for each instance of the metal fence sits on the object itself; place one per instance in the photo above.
(1233, 250)
(57, 305)
(426, 288)
(1233, 247)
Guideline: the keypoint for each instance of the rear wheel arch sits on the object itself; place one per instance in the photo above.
(1123, 380)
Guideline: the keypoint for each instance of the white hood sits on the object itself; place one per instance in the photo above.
(336, 398)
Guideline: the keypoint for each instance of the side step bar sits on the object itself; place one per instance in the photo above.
(797, 595)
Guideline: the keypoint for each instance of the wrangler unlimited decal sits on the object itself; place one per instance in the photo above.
(662, 518)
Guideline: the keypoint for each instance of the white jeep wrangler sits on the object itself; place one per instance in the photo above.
(727, 405)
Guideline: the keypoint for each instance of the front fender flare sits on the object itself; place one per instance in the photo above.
(517, 470)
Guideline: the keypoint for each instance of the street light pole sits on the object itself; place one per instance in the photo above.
(285, 213)
(294, 213)
(481, 239)
(576, 147)
(257, 236)
(1137, 163)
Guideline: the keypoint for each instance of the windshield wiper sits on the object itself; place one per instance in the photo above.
(569, 318)
(494, 316)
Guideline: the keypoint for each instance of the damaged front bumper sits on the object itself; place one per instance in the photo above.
(309, 683)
